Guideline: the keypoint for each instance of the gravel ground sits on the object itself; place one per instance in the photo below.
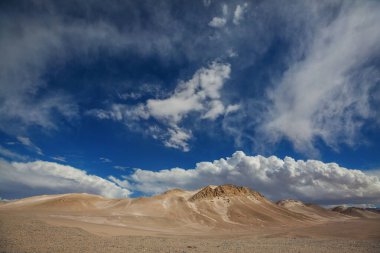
(20, 234)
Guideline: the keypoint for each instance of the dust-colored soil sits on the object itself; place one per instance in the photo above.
(213, 219)
(20, 233)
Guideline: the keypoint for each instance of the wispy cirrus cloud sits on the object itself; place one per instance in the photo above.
(326, 95)
(326, 91)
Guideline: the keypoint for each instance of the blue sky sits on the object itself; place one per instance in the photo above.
(125, 98)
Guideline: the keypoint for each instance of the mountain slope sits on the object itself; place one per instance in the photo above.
(355, 212)
(312, 211)
(212, 208)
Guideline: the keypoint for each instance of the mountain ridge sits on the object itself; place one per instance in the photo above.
(211, 208)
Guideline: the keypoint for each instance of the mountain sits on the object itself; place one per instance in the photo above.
(224, 191)
(357, 211)
(212, 208)
(310, 210)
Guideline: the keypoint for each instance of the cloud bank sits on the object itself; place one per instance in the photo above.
(40, 177)
(310, 181)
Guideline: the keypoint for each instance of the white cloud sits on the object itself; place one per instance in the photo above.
(239, 13)
(40, 177)
(178, 139)
(326, 94)
(197, 94)
(232, 108)
(217, 22)
(311, 180)
(201, 94)
(216, 108)
(28, 143)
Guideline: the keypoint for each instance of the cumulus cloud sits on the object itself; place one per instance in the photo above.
(201, 94)
(311, 180)
(40, 177)
(239, 13)
(326, 95)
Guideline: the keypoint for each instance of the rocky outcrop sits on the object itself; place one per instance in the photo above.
(290, 203)
(228, 190)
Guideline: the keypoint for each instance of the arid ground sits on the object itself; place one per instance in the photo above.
(214, 219)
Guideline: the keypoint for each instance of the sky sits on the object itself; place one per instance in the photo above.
(132, 98)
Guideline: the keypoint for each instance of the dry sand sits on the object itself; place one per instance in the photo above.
(224, 219)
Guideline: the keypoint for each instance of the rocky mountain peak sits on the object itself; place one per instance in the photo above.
(227, 190)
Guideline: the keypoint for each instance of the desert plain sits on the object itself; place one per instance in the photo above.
(223, 218)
